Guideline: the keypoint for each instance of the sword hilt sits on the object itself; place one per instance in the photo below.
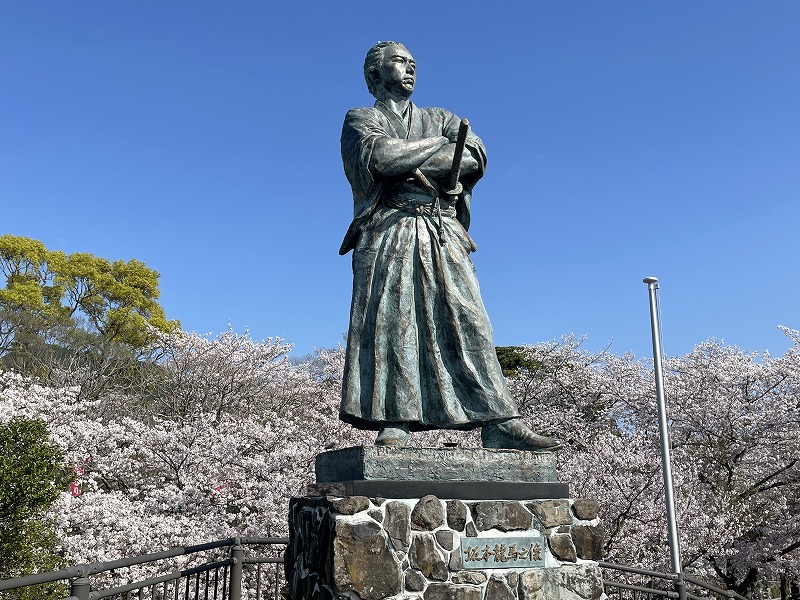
(454, 185)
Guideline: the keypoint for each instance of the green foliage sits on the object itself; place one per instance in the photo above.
(45, 291)
(29, 283)
(32, 474)
(77, 319)
(513, 359)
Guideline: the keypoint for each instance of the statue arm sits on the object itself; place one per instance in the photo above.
(392, 156)
(473, 161)
(440, 163)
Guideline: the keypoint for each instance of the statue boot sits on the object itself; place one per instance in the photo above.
(393, 434)
(515, 435)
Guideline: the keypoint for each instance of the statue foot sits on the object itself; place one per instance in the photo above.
(515, 435)
(392, 434)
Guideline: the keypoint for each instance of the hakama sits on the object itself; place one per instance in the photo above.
(420, 348)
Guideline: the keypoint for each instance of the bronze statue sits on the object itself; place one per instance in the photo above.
(420, 352)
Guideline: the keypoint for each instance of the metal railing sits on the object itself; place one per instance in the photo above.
(242, 574)
(641, 584)
(217, 578)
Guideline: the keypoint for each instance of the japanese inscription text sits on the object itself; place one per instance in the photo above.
(502, 553)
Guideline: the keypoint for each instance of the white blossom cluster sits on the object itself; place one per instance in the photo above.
(180, 472)
(734, 421)
(229, 429)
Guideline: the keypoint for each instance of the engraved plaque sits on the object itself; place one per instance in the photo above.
(502, 552)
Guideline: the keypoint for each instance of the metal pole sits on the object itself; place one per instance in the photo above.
(663, 428)
(235, 587)
(80, 588)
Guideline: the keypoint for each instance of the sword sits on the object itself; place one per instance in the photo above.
(455, 172)
(424, 182)
(455, 187)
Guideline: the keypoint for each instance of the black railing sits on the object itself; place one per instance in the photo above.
(629, 583)
(227, 578)
(217, 578)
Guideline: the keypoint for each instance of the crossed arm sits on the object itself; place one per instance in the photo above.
(433, 156)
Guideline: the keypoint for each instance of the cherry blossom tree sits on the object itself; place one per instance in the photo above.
(735, 420)
(735, 437)
(226, 430)
(223, 465)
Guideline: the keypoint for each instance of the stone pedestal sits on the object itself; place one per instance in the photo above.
(482, 536)
(385, 463)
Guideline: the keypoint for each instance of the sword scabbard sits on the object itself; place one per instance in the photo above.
(455, 187)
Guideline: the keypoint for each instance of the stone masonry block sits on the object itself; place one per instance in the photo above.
(351, 505)
(397, 524)
(498, 589)
(448, 591)
(363, 562)
(424, 557)
(569, 582)
(551, 513)
(456, 514)
(428, 514)
(502, 515)
(588, 541)
(585, 509)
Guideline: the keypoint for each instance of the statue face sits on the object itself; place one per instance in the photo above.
(398, 72)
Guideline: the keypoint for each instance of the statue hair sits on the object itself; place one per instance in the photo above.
(373, 62)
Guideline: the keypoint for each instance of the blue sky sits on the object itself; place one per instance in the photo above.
(625, 139)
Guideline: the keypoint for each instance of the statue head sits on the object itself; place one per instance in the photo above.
(389, 69)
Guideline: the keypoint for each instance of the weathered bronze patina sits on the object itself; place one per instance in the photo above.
(420, 351)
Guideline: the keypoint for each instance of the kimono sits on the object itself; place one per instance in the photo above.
(420, 348)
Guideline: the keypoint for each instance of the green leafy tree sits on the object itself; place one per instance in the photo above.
(30, 300)
(116, 300)
(76, 319)
(514, 359)
(32, 474)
